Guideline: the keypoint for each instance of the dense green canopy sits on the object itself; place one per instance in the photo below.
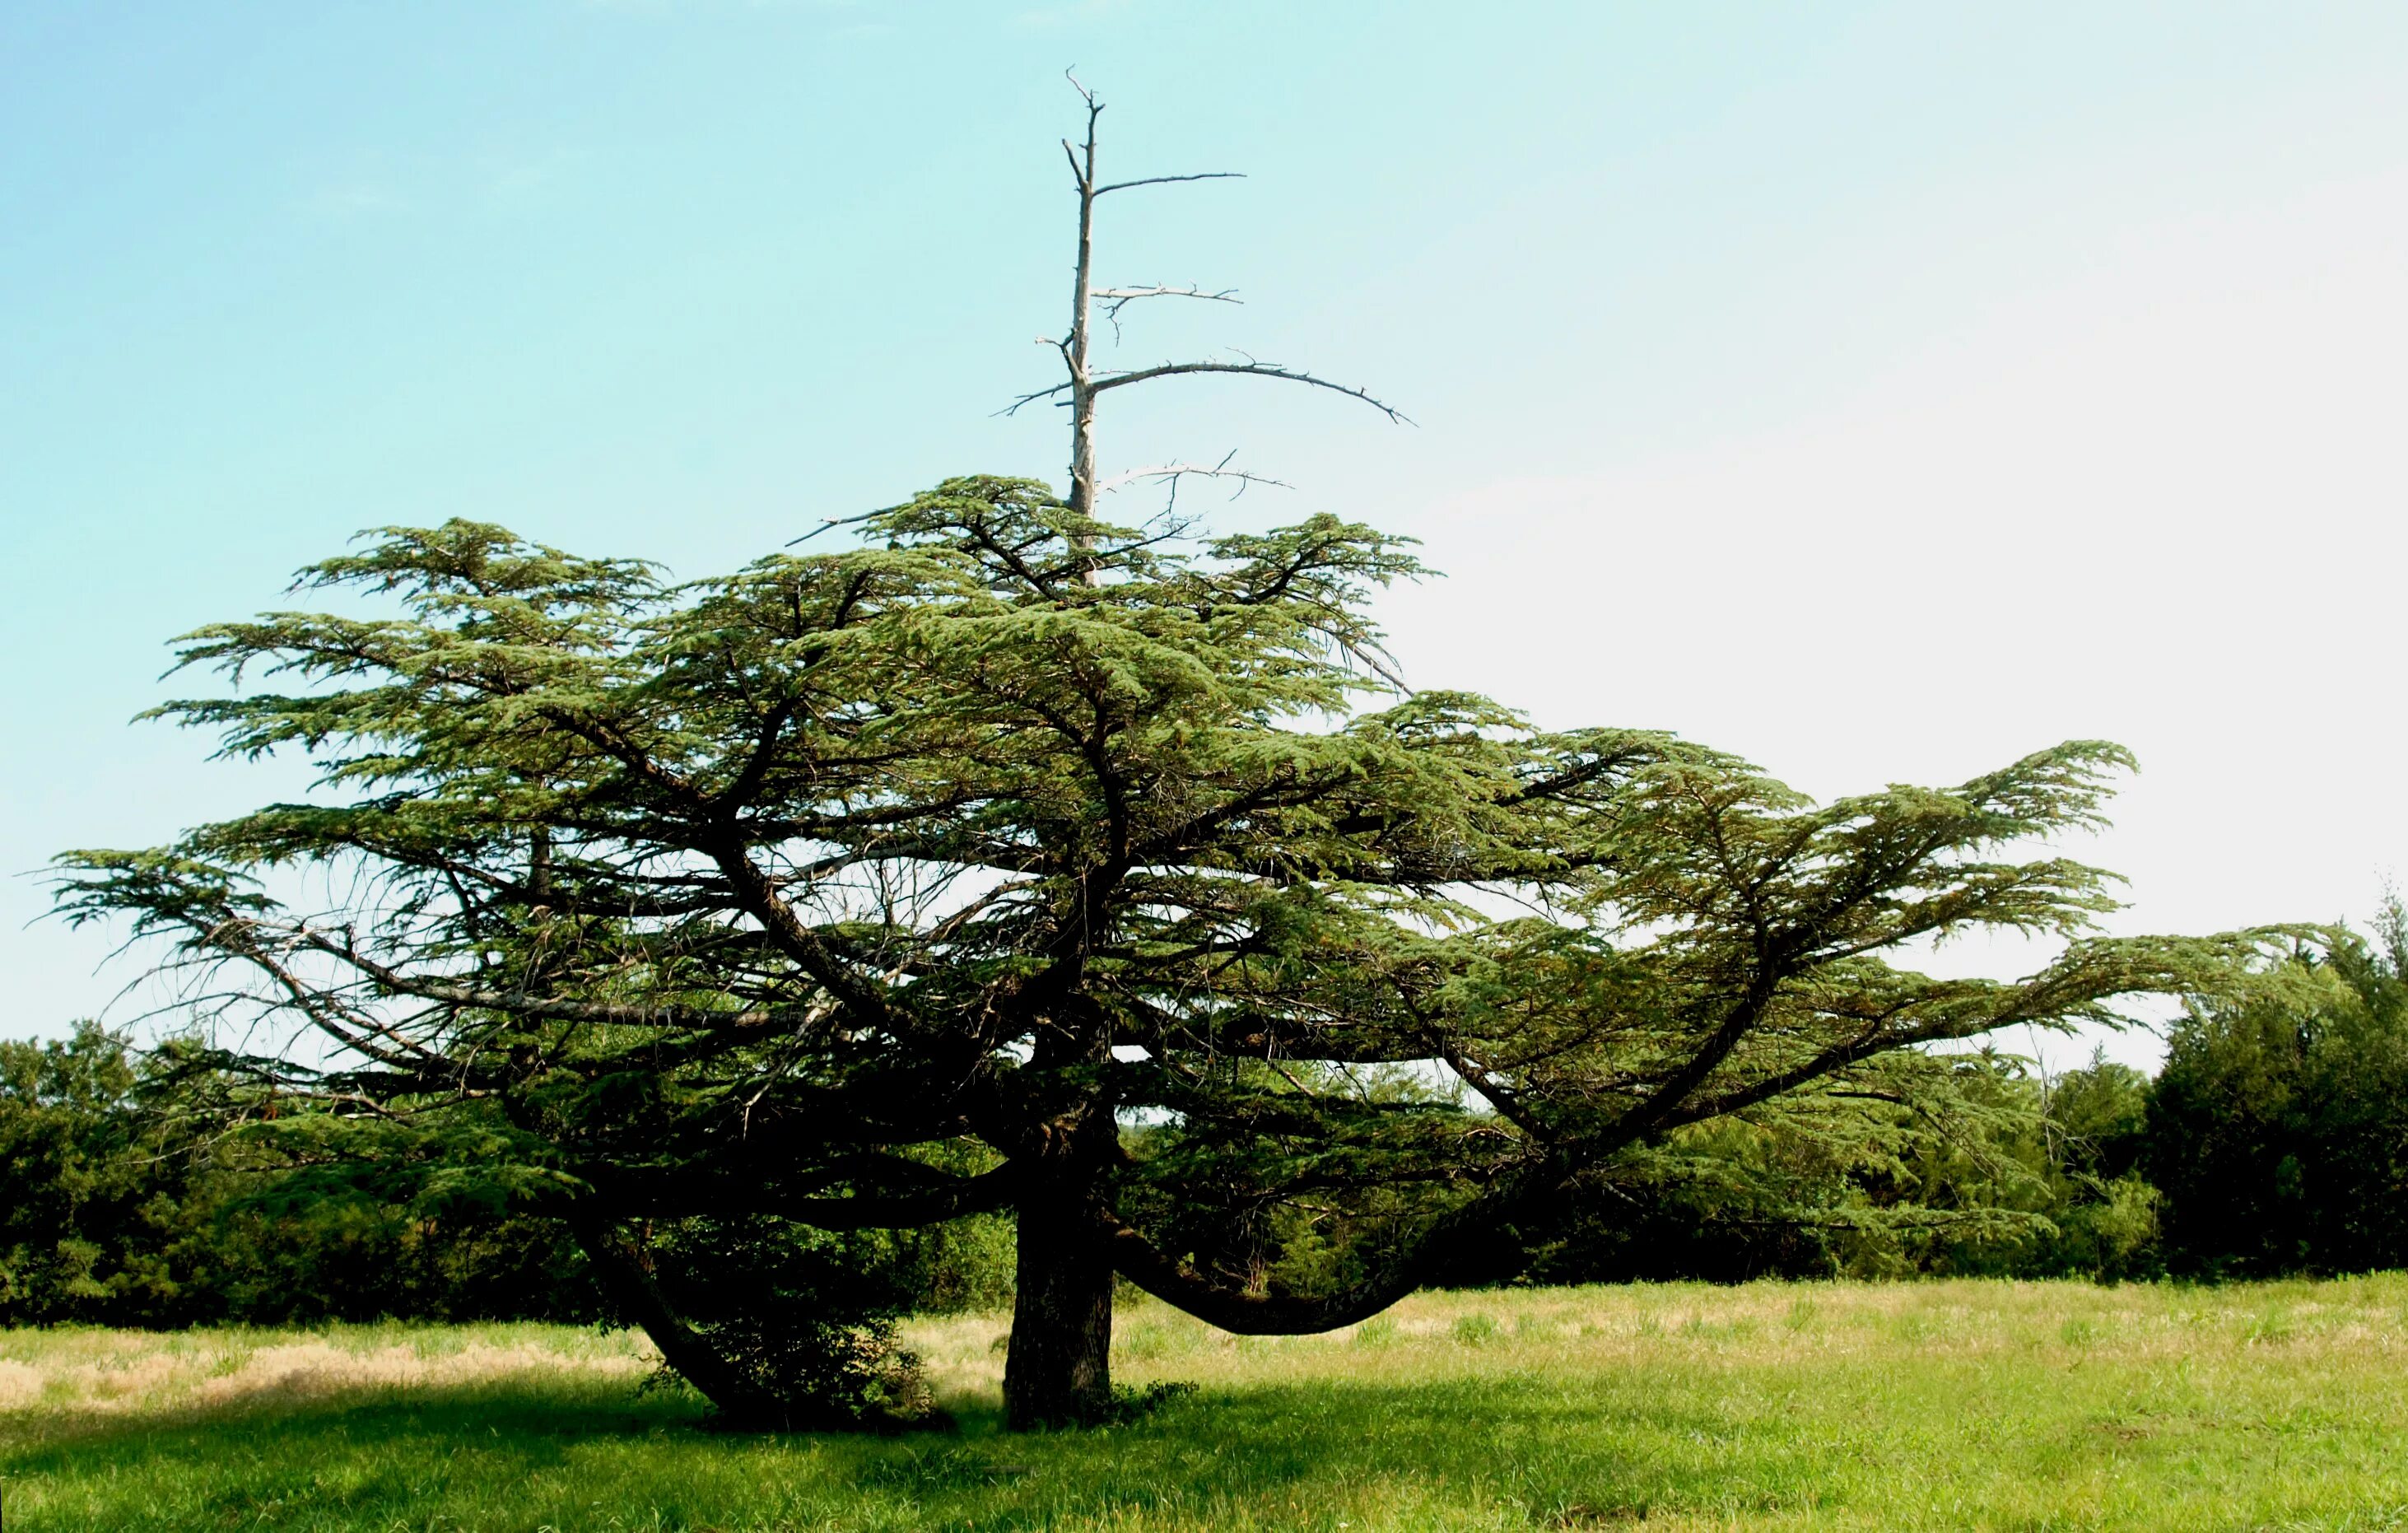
(1011, 860)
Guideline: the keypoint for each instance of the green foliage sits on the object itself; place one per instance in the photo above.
(2279, 1127)
(884, 887)
(87, 1206)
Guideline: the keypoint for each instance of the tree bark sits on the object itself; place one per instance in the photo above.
(1058, 1370)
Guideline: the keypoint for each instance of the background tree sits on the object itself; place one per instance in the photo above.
(2278, 1129)
(1966, 1163)
(139, 1189)
(1014, 859)
(87, 1198)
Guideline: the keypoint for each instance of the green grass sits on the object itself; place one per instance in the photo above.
(1947, 1405)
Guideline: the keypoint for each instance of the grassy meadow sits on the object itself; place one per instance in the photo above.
(1936, 1405)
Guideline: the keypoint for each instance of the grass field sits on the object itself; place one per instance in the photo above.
(1945, 1405)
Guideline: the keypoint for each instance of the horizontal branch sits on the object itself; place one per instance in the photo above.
(983, 1193)
(1116, 299)
(1165, 180)
(1249, 1312)
(1117, 296)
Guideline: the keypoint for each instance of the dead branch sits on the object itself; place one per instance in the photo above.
(1081, 387)
(1122, 296)
(1171, 473)
(1247, 369)
(1014, 408)
(1162, 180)
(832, 522)
(1115, 299)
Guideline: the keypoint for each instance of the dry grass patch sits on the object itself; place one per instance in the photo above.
(78, 1373)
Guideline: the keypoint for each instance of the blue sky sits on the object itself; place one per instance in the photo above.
(1878, 390)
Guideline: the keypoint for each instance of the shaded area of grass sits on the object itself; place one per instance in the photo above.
(1941, 1405)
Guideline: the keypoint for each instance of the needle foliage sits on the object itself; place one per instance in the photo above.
(1009, 860)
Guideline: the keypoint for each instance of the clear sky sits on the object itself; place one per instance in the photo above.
(1880, 391)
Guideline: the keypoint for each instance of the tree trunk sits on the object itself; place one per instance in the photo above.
(1058, 1370)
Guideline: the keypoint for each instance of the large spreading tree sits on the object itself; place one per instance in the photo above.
(1009, 859)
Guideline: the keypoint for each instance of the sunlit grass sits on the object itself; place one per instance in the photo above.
(1915, 1406)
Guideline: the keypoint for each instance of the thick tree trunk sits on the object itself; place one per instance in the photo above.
(1058, 1370)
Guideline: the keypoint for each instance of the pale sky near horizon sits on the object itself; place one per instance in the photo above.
(1879, 391)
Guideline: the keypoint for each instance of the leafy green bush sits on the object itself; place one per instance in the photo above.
(807, 1317)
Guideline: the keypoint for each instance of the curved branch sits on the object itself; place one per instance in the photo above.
(1248, 1313)
(1246, 370)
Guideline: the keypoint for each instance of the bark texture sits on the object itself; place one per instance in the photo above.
(1058, 1370)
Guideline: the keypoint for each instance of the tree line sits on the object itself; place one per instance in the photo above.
(135, 1189)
